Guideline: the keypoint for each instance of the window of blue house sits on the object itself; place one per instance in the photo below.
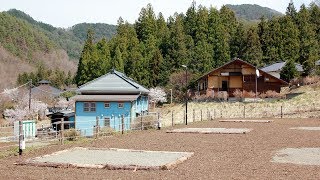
(106, 105)
(120, 105)
(89, 107)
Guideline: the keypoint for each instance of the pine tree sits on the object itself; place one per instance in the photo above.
(219, 38)
(118, 61)
(273, 40)
(237, 43)
(190, 20)
(309, 48)
(146, 24)
(291, 11)
(253, 52)
(104, 60)
(289, 71)
(177, 50)
(262, 28)
(84, 72)
(290, 39)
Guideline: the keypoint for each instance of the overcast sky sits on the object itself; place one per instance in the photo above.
(65, 13)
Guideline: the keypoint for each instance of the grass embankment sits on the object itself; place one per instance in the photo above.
(305, 104)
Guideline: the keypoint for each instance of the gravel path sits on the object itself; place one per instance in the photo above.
(229, 156)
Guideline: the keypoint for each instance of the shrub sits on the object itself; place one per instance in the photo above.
(311, 80)
(238, 94)
(250, 94)
(71, 134)
(222, 95)
(106, 131)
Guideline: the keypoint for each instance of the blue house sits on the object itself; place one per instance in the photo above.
(108, 98)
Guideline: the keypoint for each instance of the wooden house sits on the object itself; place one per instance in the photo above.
(238, 74)
(108, 98)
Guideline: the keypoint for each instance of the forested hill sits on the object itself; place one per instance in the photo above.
(252, 12)
(71, 39)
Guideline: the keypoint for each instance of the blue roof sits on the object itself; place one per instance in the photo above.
(113, 83)
(279, 65)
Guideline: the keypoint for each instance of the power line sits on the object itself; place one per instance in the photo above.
(3, 92)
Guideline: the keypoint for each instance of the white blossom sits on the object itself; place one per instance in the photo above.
(157, 94)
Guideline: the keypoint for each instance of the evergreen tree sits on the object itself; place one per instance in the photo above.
(190, 20)
(88, 56)
(273, 42)
(290, 39)
(177, 51)
(291, 11)
(118, 61)
(289, 71)
(253, 52)
(309, 48)
(146, 24)
(104, 60)
(219, 38)
(262, 28)
(229, 21)
(237, 43)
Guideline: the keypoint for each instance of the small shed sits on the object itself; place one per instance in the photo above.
(28, 128)
(66, 115)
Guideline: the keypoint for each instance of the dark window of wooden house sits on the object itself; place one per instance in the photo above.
(224, 86)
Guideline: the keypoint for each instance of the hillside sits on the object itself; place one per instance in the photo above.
(23, 47)
(253, 12)
(26, 43)
(71, 39)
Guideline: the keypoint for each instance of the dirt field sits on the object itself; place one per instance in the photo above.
(216, 156)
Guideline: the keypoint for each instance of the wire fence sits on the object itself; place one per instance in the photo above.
(14, 135)
(60, 131)
(204, 111)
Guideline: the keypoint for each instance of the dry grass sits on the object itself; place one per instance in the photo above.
(306, 105)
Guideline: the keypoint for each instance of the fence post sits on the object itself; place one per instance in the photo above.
(21, 138)
(193, 115)
(201, 114)
(97, 127)
(122, 124)
(214, 113)
(141, 122)
(61, 130)
(159, 123)
(172, 118)
(244, 111)
(281, 112)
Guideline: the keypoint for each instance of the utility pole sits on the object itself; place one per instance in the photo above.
(30, 85)
(186, 96)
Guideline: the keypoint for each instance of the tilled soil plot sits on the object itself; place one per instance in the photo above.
(216, 156)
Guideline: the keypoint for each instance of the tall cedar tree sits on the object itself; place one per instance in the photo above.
(146, 24)
(218, 37)
(272, 38)
(308, 44)
(87, 63)
(238, 42)
(253, 52)
(290, 39)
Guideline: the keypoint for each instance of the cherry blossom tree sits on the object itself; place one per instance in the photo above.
(157, 94)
